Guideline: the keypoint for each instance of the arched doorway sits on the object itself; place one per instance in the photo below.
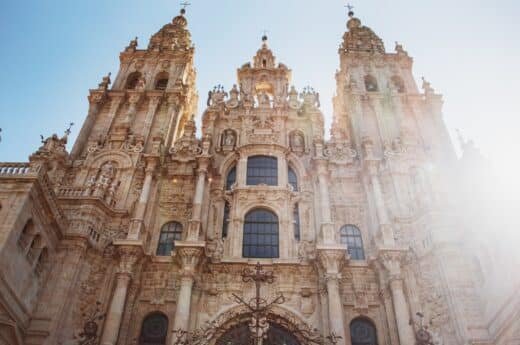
(241, 335)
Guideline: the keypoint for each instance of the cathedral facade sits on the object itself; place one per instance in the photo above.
(143, 231)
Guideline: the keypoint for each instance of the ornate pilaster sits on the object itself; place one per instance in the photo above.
(154, 102)
(372, 166)
(95, 99)
(189, 255)
(327, 235)
(391, 261)
(129, 253)
(332, 259)
(137, 223)
(195, 221)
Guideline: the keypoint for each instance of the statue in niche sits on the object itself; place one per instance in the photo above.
(297, 142)
(229, 138)
(263, 100)
(107, 170)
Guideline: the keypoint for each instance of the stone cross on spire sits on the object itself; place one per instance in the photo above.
(184, 4)
(350, 8)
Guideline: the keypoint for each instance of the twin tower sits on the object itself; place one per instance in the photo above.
(144, 228)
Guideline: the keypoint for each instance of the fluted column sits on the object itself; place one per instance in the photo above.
(152, 109)
(189, 256)
(95, 100)
(391, 260)
(194, 224)
(172, 114)
(332, 260)
(372, 166)
(326, 229)
(137, 224)
(115, 102)
(129, 254)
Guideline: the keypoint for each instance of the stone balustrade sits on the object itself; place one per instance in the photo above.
(14, 169)
(70, 191)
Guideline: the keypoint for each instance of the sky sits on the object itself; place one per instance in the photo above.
(54, 51)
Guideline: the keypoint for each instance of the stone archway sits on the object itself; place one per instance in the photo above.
(285, 327)
(240, 334)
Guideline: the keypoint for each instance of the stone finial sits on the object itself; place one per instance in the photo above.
(105, 82)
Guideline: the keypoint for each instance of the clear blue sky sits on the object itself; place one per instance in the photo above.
(54, 51)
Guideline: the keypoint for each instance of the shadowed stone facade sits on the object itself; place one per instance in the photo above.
(147, 224)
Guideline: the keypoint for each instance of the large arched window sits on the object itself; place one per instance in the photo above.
(27, 235)
(161, 81)
(293, 179)
(398, 84)
(170, 232)
(262, 170)
(351, 236)
(370, 83)
(231, 177)
(241, 334)
(133, 79)
(154, 330)
(362, 332)
(260, 234)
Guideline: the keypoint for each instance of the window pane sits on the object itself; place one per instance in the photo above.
(169, 233)
(262, 170)
(260, 234)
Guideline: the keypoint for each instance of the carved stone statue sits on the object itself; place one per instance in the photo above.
(229, 138)
(105, 82)
(263, 100)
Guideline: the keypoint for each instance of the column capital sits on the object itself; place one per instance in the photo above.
(189, 255)
(129, 252)
(332, 258)
(391, 259)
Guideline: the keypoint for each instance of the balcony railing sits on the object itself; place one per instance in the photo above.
(14, 169)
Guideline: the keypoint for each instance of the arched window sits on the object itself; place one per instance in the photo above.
(35, 248)
(351, 236)
(26, 235)
(231, 177)
(362, 332)
(133, 79)
(225, 223)
(262, 170)
(370, 83)
(170, 232)
(293, 179)
(398, 84)
(42, 260)
(154, 330)
(296, 222)
(161, 81)
(260, 234)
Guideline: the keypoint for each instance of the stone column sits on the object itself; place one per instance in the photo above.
(137, 223)
(129, 252)
(152, 108)
(327, 228)
(391, 260)
(372, 166)
(95, 100)
(194, 224)
(173, 114)
(332, 259)
(189, 255)
(112, 112)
